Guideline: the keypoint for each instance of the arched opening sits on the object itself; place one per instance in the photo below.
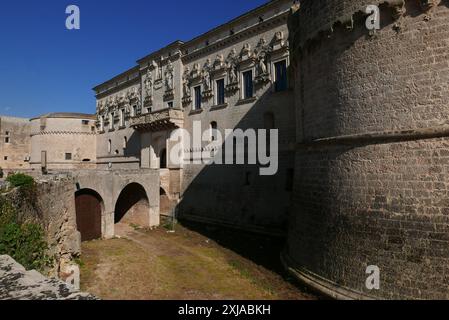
(165, 203)
(163, 159)
(89, 209)
(132, 206)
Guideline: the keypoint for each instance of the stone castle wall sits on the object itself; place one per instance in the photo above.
(372, 159)
(14, 143)
(58, 136)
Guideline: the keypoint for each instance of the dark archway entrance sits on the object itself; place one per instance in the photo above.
(164, 159)
(165, 203)
(89, 208)
(132, 206)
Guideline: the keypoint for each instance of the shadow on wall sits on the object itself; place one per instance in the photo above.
(132, 206)
(237, 195)
(220, 199)
(131, 145)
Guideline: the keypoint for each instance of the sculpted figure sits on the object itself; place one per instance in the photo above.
(149, 83)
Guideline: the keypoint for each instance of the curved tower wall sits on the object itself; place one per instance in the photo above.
(372, 162)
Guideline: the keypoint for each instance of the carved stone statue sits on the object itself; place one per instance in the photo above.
(158, 70)
(232, 74)
(185, 83)
(261, 66)
(206, 81)
(149, 83)
(169, 77)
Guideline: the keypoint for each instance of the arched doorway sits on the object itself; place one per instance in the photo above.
(132, 206)
(165, 203)
(89, 208)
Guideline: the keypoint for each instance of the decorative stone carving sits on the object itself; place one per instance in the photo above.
(186, 99)
(169, 84)
(219, 63)
(196, 72)
(261, 53)
(278, 41)
(246, 54)
(231, 65)
(185, 83)
(426, 5)
(158, 70)
(206, 79)
(148, 85)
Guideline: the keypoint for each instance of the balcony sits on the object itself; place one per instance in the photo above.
(161, 120)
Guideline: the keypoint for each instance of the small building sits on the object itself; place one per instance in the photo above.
(14, 143)
(63, 141)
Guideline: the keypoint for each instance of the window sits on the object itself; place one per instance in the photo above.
(213, 131)
(68, 156)
(85, 122)
(134, 111)
(102, 123)
(5, 158)
(220, 92)
(170, 105)
(280, 70)
(109, 146)
(7, 133)
(111, 121)
(122, 118)
(197, 98)
(248, 84)
(7, 140)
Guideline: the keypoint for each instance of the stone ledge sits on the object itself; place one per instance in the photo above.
(321, 285)
(18, 284)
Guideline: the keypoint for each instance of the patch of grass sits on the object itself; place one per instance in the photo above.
(20, 180)
(25, 242)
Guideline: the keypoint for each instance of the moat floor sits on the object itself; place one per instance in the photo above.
(159, 265)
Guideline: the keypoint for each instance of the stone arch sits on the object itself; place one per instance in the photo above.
(165, 203)
(89, 210)
(133, 206)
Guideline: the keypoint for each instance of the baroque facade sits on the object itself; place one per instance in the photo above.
(233, 77)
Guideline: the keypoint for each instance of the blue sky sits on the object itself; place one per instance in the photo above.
(46, 68)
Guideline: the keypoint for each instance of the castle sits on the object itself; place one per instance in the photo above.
(363, 152)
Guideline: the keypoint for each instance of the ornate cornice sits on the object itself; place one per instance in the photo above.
(47, 133)
(253, 30)
(397, 8)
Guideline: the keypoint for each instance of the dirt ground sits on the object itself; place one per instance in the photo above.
(184, 265)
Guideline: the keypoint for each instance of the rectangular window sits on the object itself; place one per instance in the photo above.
(170, 105)
(197, 98)
(68, 156)
(220, 92)
(134, 111)
(5, 158)
(7, 140)
(122, 118)
(280, 69)
(111, 121)
(248, 85)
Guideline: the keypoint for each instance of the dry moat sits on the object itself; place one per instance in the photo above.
(185, 264)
